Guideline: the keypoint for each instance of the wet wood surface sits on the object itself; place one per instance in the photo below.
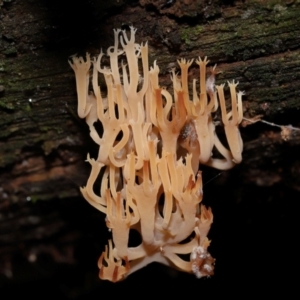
(43, 144)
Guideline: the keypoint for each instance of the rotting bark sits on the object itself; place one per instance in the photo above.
(254, 44)
(43, 143)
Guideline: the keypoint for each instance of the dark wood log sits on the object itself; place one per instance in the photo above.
(47, 230)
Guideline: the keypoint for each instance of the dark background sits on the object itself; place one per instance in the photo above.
(51, 239)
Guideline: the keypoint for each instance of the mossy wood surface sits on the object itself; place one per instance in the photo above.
(43, 144)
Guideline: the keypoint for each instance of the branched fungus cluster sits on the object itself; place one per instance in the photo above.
(149, 155)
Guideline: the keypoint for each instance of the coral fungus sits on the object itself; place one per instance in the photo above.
(149, 155)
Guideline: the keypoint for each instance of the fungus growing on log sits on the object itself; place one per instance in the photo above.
(150, 151)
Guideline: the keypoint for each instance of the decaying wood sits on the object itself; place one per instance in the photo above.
(43, 144)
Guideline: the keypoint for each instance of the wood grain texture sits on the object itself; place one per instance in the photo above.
(43, 144)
